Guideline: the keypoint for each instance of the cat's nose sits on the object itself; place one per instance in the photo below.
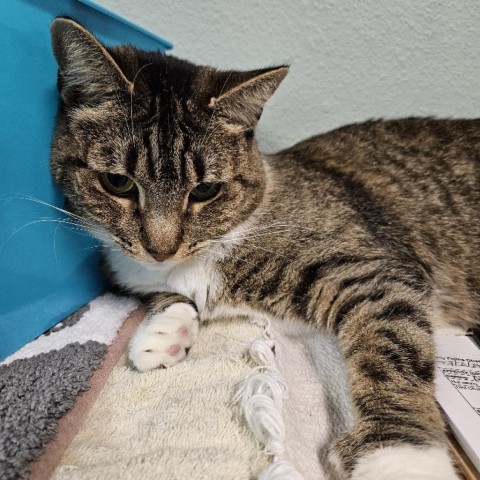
(160, 256)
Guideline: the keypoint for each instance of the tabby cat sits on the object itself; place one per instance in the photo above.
(370, 232)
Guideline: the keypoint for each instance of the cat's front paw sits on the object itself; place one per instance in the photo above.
(163, 339)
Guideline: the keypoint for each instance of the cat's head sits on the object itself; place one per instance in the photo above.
(158, 154)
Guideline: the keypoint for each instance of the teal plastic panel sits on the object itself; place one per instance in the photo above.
(48, 267)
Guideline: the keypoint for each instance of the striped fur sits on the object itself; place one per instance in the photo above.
(370, 232)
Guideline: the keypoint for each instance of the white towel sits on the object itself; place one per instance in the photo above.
(181, 422)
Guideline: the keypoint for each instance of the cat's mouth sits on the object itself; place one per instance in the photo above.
(161, 256)
(157, 259)
(196, 250)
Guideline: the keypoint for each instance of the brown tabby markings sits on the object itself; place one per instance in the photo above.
(370, 231)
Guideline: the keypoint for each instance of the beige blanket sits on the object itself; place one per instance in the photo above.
(250, 402)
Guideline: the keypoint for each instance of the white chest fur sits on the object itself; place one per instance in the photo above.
(197, 279)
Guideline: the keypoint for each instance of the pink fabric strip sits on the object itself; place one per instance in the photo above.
(70, 423)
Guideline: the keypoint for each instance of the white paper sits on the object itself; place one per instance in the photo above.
(458, 390)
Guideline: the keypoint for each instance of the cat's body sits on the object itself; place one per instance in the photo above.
(392, 199)
(370, 232)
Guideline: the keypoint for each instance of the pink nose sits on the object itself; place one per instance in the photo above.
(160, 257)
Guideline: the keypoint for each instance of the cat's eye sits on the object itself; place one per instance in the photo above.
(204, 191)
(119, 185)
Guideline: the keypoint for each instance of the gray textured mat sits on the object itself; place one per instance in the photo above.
(41, 382)
(34, 393)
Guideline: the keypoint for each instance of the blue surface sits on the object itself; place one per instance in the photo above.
(48, 269)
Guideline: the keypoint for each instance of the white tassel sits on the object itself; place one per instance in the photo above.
(261, 352)
(280, 470)
(266, 423)
(261, 397)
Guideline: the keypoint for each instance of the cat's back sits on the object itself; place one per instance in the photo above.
(414, 166)
(415, 141)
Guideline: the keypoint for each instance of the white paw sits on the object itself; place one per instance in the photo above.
(405, 463)
(162, 339)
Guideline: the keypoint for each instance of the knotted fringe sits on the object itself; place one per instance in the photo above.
(261, 397)
(280, 470)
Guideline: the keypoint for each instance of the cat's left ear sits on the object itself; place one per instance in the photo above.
(87, 71)
(244, 94)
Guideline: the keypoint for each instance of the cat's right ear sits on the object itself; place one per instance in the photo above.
(243, 95)
(87, 72)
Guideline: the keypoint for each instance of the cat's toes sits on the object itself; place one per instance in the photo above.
(163, 339)
(405, 462)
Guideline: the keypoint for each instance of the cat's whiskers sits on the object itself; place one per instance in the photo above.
(76, 223)
(131, 99)
(207, 137)
(261, 228)
(248, 236)
(101, 246)
(258, 231)
(122, 111)
(251, 235)
(19, 196)
(208, 134)
(74, 216)
(73, 226)
(250, 245)
(82, 228)
(59, 221)
(55, 242)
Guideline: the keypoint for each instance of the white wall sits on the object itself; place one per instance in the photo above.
(351, 59)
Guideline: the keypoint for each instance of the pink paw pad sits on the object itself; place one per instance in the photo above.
(183, 331)
(173, 350)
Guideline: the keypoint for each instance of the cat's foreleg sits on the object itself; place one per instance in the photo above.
(166, 334)
(387, 342)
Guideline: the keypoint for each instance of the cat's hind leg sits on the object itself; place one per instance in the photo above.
(166, 334)
(405, 462)
(385, 334)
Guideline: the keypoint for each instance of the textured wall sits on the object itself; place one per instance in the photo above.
(351, 59)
